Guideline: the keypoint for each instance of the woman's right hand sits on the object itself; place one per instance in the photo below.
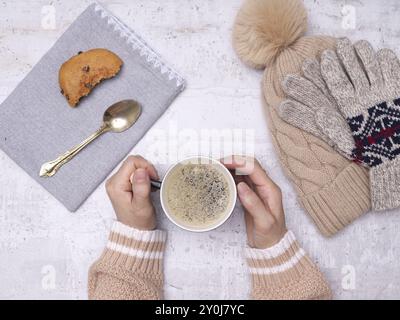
(262, 202)
(129, 191)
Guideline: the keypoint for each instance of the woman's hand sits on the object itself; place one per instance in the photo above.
(262, 202)
(129, 191)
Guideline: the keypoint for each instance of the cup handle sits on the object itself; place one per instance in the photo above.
(156, 184)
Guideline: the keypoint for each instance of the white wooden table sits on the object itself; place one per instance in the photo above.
(45, 251)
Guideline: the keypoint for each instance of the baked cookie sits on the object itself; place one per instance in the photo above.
(80, 74)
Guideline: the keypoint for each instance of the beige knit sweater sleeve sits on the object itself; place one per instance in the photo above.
(284, 271)
(130, 267)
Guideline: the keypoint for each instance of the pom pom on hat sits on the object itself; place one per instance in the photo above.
(265, 28)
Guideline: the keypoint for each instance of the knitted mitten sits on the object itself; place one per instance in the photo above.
(366, 87)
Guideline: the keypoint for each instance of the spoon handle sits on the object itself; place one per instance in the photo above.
(49, 169)
(155, 184)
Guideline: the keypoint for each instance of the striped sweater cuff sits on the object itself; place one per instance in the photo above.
(279, 264)
(134, 249)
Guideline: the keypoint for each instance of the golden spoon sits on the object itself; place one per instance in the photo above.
(117, 118)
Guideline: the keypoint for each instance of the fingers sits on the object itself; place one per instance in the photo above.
(119, 186)
(390, 67)
(122, 179)
(253, 204)
(300, 116)
(312, 71)
(370, 63)
(304, 91)
(134, 162)
(122, 176)
(266, 189)
(140, 162)
(248, 166)
(141, 188)
(233, 162)
(129, 191)
(336, 128)
(264, 216)
(239, 165)
(347, 55)
(337, 81)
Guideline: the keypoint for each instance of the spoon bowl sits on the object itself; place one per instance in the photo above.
(122, 115)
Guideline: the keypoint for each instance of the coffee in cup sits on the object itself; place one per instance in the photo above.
(198, 194)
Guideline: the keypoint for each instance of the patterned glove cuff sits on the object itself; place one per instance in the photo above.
(385, 185)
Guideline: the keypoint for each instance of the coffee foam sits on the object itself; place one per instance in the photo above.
(197, 195)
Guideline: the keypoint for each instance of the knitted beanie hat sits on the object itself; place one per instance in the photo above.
(270, 34)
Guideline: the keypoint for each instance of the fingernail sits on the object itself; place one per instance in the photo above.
(243, 188)
(140, 175)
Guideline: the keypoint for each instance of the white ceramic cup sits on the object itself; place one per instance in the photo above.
(232, 193)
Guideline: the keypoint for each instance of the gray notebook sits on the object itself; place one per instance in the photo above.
(37, 125)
